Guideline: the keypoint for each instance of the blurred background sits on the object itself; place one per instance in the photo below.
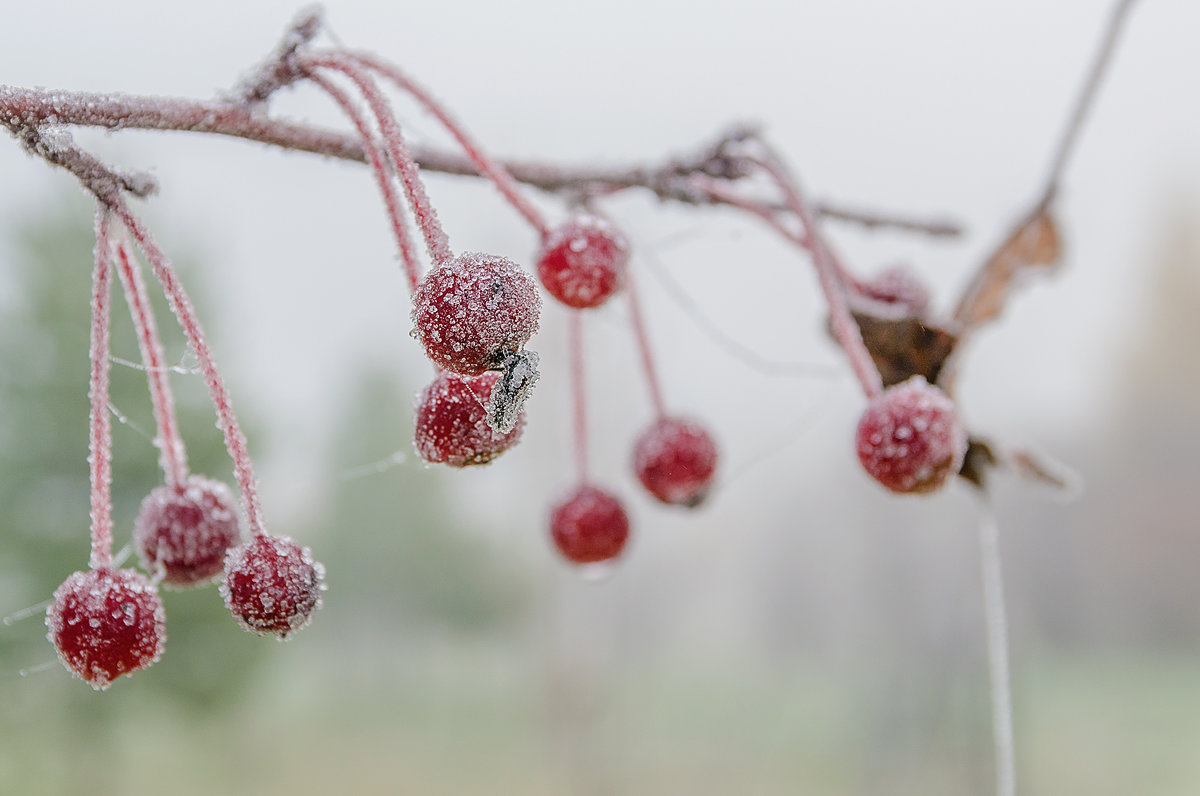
(802, 631)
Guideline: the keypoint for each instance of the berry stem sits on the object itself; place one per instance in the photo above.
(172, 453)
(181, 305)
(831, 275)
(383, 176)
(99, 422)
(723, 193)
(435, 237)
(997, 645)
(488, 167)
(579, 394)
(643, 344)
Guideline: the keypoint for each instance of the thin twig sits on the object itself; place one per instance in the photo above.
(997, 644)
(24, 111)
(1083, 103)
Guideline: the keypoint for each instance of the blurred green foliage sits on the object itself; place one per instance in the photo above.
(43, 455)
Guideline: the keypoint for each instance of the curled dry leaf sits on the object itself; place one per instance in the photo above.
(983, 457)
(1035, 243)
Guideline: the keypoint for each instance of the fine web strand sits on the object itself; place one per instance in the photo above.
(831, 275)
(172, 453)
(723, 340)
(125, 421)
(181, 305)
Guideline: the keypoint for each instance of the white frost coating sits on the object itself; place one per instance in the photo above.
(184, 535)
(496, 310)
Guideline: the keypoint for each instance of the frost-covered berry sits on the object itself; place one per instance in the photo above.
(272, 585)
(451, 422)
(474, 312)
(589, 526)
(909, 438)
(106, 623)
(675, 460)
(582, 263)
(896, 291)
(185, 531)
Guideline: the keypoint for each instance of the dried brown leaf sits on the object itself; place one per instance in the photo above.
(1035, 243)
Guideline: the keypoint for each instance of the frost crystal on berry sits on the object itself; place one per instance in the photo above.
(675, 460)
(272, 585)
(451, 422)
(185, 531)
(582, 263)
(474, 311)
(909, 438)
(106, 623)
(589, 526)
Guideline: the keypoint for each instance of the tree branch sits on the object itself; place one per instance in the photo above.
(26, 111)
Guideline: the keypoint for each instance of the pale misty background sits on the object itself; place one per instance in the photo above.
(803, 632)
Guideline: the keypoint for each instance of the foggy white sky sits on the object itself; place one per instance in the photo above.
(929, 106)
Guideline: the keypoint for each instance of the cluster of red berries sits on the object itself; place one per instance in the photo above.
(474, 314)
(107, 622)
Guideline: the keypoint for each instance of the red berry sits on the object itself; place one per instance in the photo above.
(582, 263)
(106, 623)
(898, 290)
(451, 422)
(185, 532)
(675, 460)
(909, 438)
(272, 585)
(589, 526)
(474, 312)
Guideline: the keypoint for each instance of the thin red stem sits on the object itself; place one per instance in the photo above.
(181, 305)
(383, 175)
(435, 237)
(172, 453)
(488, 167)
(643, 344)
(831, 275)
(99, 422)
(722, 193)
(579, 395)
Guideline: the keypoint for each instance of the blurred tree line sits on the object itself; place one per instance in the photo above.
(394, 558)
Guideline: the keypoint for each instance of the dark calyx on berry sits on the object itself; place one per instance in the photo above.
(909, 438)
(106, 623)
(582, 263)
(184, 532)
(589, 526)
(675, 460)
(474, 311)
(451, 422)
(272, 585)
